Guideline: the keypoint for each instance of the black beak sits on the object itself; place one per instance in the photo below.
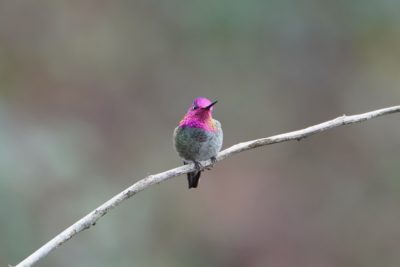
(212, 104)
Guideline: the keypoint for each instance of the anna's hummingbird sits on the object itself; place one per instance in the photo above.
(198, 137)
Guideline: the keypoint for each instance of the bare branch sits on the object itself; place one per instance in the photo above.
(91, 218)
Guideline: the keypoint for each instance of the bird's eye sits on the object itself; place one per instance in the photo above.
(195, 107)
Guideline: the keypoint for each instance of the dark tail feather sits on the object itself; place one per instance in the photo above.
(193, 179)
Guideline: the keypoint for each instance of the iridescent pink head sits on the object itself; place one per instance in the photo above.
(199, 115)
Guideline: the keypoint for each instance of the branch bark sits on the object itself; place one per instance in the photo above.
(90, 219)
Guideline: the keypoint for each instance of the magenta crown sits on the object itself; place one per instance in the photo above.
(201, 102)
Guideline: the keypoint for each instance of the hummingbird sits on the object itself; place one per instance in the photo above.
(198, 137)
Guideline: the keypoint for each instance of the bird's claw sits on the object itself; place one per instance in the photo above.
(213, 160)
(198, 166)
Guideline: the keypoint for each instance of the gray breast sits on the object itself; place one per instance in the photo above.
(197, 144)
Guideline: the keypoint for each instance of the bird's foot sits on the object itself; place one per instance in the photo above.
(213, 160)
(199, 167)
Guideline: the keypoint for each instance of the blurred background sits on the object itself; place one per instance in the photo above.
(90, 92)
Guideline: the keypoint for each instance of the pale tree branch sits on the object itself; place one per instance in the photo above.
(91, 218)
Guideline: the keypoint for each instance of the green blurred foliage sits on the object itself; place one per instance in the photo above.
(91, 91)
